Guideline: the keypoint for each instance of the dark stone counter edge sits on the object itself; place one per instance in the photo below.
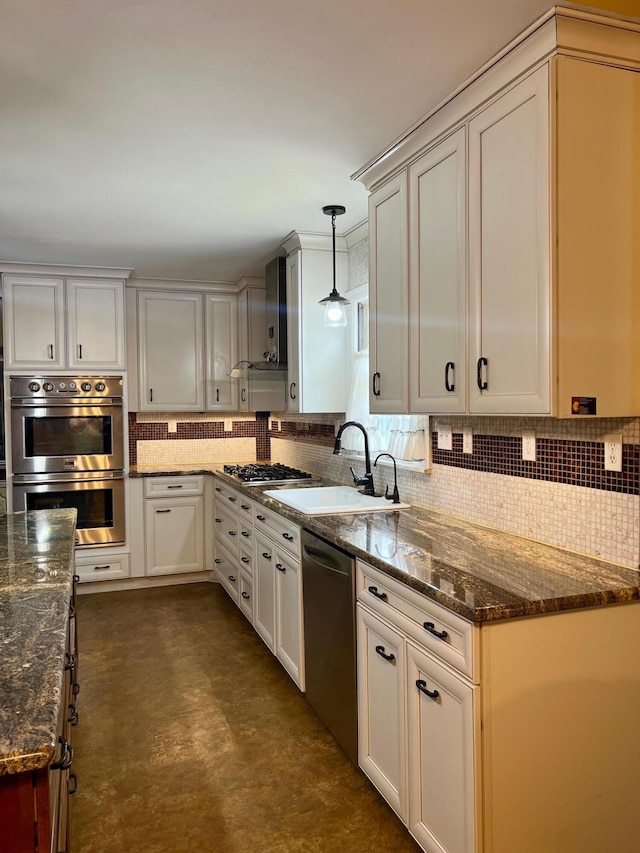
(494, 613)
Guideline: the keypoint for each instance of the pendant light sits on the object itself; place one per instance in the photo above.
(334, 313)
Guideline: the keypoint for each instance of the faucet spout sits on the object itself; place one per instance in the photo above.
(367, 480)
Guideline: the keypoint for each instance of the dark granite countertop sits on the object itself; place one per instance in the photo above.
(36, 577)
(480, 573)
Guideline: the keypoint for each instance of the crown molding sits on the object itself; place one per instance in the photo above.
(17, 268)
(357, 234)
(312, 240)
(183, 284)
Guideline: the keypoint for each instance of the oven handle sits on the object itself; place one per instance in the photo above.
(51, 402)
(79, 477)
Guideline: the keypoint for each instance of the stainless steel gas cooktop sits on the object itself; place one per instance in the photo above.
(261, 473)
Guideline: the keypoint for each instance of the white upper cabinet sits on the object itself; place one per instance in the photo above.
(509, 261)
(170, 351)
(521, 252)
(388, 297)
(438, 281)
(96, 323)
(40, 334)
(316, 354)
(222, 391)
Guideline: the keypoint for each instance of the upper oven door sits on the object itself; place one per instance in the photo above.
(49, 439)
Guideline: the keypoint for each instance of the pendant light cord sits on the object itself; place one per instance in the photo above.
(333, 228)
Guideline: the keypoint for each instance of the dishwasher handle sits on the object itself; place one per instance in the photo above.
(315, 555)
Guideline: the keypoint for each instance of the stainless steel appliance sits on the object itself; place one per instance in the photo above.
(328, 597)
(261, 473)
(276, 310)
(67, 450)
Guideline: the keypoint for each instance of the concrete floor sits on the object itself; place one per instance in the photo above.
(193, 738)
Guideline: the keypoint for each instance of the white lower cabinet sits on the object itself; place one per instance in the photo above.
(440, 755)
(174, 525)
(381, 708)
(90, 567)
(257, 560)
(416, 712)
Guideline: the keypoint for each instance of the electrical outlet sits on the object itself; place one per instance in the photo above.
(228, 425)
(445, 437)
(467, 439)
(529, 445)
(172, 425)
(613, 453)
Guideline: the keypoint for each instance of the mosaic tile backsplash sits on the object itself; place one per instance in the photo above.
(565, 498)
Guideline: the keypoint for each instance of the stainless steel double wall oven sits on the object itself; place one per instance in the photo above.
(67, 450)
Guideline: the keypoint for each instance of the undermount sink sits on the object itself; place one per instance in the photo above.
(327, 500)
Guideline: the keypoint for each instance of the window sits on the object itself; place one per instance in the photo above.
(401, 435)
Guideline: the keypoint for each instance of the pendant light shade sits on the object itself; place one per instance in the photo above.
(334, 313)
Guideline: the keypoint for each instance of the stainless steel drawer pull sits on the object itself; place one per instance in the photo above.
(422, 687)
(102, 568)
(374, 591)
(431, 628)
(380, 650)
(280, 567)
(246, 596)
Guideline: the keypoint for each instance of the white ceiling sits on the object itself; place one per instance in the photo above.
(187, 138)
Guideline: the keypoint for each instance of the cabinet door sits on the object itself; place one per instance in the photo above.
(265, 592)
(222, 392)
(289, 616)
(174, 536)
(441, 756)
(95, 324)
(438, 278)
(509, 261)
(293, 332)
(34, 322)
(243, 348)
(388, 298)
(170, 351)
(381, 709)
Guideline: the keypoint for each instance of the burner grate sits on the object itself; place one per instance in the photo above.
(259, 473)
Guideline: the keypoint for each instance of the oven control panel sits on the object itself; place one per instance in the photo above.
(41, 387)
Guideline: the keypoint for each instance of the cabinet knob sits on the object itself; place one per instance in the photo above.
(422, 687)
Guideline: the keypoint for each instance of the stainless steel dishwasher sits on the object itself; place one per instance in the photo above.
(328, 595)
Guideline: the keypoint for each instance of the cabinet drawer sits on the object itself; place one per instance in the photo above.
(227, 495)
(285, 533)
(105, 569)
(246, 561)
(173, 487)
(245, 597)
(227, 572)
(226, 529)
(437, 629)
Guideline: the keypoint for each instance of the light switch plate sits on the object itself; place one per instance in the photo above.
(445, 437)
(467, 439)
(228, 425)
(529, 445)
(172, 425)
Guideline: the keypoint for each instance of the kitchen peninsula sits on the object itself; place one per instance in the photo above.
(38, 678)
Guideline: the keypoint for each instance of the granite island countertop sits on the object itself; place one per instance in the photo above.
(480, 573)
(36, 580)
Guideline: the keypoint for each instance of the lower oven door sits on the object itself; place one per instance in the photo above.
(99, 502)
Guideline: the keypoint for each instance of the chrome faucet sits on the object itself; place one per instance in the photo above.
(367, 480)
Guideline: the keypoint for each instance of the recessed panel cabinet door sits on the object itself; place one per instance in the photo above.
(175, 536)
(440, 708)
(265, 592)
(170, 350)
(34, 322)
(509, 259)
(96, 324)
(438, 278)
(222, 391)
(388, 298)
(288, 614)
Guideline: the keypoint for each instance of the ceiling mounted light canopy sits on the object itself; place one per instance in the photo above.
(334, 313)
